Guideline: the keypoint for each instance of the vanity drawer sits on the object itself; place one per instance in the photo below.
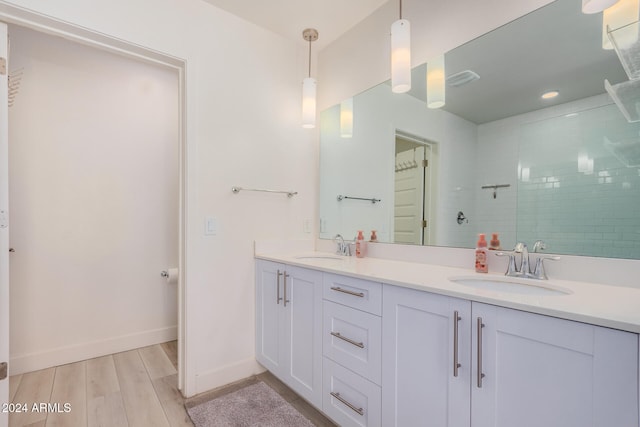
(353, 338)
(357, 293)
(349, 399)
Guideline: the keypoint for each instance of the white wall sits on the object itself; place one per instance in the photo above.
(371, 151)
(94, 201)
(243, 91)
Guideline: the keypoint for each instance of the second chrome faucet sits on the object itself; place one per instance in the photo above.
(524, 270)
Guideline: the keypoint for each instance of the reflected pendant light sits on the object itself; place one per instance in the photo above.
(346, 118)
(309, 86)
(436, 82)
(623, 13)
(595, 6)
(400, 55)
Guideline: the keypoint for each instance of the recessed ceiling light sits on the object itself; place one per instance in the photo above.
(550, 94)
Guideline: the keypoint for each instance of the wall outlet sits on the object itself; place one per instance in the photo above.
(307, 226)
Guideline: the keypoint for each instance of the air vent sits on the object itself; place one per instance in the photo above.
(462, 78)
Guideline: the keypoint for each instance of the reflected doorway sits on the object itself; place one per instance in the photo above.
(414, 189)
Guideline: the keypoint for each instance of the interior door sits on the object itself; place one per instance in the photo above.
(408, 197)
(4, 224)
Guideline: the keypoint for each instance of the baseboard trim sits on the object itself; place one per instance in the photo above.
(227, 374)
(20, 364)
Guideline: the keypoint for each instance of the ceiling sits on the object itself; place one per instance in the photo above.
(289, 18)
(556, 47)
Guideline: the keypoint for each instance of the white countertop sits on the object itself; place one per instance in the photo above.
(610, 306)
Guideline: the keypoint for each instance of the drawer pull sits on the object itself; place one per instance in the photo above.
(360, 411)
(350, 341)
(344, 291)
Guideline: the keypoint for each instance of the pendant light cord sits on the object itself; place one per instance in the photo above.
(400, 9)
(309, 57)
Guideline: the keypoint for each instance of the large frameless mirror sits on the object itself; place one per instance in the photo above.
(497, 157)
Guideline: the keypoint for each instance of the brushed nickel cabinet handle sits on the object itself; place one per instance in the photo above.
(456, 364)
(278, 299)
(480, 374)
(344, 291)
(350, 341)
(349, 405)
(284, 283)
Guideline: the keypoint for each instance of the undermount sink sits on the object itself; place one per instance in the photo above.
(331, 257)
(511, 285)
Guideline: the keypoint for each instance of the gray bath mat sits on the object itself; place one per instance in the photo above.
(251, 406)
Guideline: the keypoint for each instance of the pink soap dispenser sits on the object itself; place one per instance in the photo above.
(482, 261)
(494, 244)
(361, 245)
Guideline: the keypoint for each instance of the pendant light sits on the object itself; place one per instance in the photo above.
(346, 118)
(595, 6)
(400, 55)
(436, 82)
(309, 86)
(623, 13)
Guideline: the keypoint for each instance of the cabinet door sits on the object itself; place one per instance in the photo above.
(418, 383)
(269, 317)
(544, 371)
(303, 332)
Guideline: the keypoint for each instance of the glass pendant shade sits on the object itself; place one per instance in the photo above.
(595, 6)
(346, 118)
(400, 56)
(309, 103)
(436, 82)
(623, 13)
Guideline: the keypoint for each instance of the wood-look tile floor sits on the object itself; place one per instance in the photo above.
(133, 388)
(137, 388)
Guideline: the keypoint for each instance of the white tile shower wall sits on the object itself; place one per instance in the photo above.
(582, 206)
(575, 212)
(497, 165)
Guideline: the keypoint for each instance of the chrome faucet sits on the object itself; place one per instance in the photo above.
(521, 248)
(343, 247)
(525, 269)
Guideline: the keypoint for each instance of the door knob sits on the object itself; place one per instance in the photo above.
(11, 250)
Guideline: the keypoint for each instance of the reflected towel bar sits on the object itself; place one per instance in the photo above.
(495, 188)
(289, 194)
(341, 197)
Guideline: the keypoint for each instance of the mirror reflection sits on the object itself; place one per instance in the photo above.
(497, 157)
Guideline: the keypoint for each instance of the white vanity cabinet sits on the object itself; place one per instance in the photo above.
(289, 326)
(515, 368)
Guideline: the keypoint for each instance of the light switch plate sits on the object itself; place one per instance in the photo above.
(210, 226)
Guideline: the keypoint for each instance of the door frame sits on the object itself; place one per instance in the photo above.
(4, 226)
(429, 196)
(25, 18)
